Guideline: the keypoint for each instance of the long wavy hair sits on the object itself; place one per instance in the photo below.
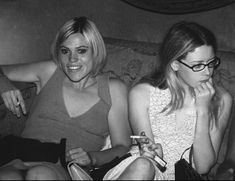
(89, 30)
(182, 38)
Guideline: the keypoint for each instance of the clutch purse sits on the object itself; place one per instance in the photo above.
(77, 173)
(184, 170)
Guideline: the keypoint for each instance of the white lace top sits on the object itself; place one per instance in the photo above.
(173, 137)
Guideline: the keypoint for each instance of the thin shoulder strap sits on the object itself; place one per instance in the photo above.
(190, 154)
(103, 88)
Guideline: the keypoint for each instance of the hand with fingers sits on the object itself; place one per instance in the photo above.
(79, 156)
(13, 100)
(204, 93)
(148, 148)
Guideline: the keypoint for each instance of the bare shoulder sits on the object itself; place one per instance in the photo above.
(225, 106)
(139, 96)
(142, 90)
(225, 97)
(117, 86)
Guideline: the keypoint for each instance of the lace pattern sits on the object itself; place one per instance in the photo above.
(173, 137)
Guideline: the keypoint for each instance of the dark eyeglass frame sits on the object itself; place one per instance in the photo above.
(204, 65)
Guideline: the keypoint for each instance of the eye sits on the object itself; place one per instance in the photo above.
(82, 50)
(213, 63)
(198, 66)
(63, 50)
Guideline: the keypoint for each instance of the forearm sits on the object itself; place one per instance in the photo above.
(105, 156)
(204, 154)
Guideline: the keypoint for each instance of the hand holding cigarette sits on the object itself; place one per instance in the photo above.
(150, 149)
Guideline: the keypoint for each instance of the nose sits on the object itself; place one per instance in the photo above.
(73, 57)
(207, 70)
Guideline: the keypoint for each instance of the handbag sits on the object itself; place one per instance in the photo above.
(76, 172)
(184, 170)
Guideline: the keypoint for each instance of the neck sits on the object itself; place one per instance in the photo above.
(189, 96)
(82, 84)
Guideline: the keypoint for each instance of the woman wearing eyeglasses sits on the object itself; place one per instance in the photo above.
(179, 106)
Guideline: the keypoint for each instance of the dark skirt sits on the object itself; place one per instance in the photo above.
(31, 150)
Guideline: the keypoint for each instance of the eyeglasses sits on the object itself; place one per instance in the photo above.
(199, 67)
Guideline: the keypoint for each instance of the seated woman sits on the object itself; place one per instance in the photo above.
(75, 101)
(178, 106)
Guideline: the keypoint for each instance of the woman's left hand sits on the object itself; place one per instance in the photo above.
(150, 149)
(79, 156)
(204, 93)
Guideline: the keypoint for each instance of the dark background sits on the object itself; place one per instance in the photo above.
(27, 27)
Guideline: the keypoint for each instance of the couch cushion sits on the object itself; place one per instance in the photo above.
(225, 74)
(128, 64)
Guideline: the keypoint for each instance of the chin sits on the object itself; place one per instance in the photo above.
(75, 79)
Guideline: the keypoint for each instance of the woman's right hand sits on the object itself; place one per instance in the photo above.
(13, 100)
(150, 149)
(80, 156)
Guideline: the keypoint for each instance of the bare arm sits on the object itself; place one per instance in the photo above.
(229, 162)
(118, 125)
(209, 133)
(139, 97)
(38, 73)
(138, 110)
(217, 131)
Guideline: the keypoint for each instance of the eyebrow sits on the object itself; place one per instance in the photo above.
(82, 46)
(203, 61)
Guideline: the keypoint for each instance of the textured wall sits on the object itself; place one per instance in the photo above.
(27, 27)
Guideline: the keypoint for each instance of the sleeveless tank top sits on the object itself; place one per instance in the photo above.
(173, 137)
(49, 120)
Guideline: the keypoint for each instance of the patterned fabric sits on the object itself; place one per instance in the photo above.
(174, 136)
(129, 65)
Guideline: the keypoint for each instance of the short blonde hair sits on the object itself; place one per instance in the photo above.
(89, 30)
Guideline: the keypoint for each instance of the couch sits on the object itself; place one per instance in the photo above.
(129, 61)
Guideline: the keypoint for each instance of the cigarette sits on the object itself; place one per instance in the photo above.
(137, 136)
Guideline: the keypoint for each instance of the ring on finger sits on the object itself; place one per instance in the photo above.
(17, 104)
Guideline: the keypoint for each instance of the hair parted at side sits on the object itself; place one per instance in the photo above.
(182, 38)
(89, 30)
